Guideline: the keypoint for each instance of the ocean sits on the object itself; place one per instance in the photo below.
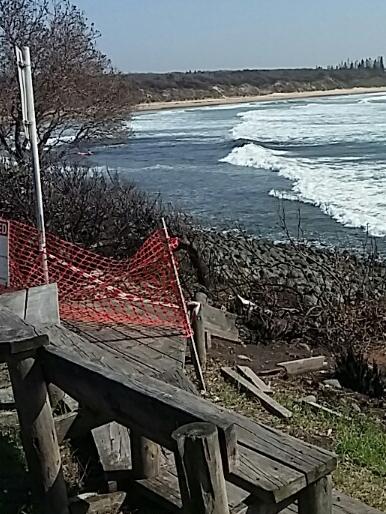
(314, 167)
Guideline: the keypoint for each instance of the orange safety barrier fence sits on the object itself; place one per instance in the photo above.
(142, 290)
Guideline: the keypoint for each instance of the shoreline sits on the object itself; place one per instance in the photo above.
(234, 100)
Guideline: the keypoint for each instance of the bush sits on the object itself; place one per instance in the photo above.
(86, 206)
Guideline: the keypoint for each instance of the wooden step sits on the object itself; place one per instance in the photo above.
(164, 490)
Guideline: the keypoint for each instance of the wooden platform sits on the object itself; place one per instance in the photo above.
(155, 352)
(164, 490)
(132, 378)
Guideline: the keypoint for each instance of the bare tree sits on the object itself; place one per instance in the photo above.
(79, 96)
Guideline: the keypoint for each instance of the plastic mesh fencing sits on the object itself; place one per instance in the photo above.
(142, 290)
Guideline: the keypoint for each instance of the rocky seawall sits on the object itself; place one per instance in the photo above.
(242, 262)
(294, 290)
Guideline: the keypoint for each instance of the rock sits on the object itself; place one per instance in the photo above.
(355, 407)
(244, 358)
(309, 398)
(332, 382)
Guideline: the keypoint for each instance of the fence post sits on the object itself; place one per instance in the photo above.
(199, 328)
(38, 434)
(200, 469)
(145, 456)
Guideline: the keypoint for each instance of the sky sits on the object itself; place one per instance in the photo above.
(171, 35)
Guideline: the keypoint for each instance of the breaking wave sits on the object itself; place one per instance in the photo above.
(351, 192)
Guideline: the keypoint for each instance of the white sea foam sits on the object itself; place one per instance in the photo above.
(351, 193)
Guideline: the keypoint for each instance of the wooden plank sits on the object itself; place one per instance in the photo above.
(157, 409)
(36, 305)
(220, 323)
(343, 504)
(16, 336)
(200, 471)
(132, 350)
(113, 446)
(297, 367)
(145, 456)
(164, 489)
(93, 503)
(254, 379)
(268, 403)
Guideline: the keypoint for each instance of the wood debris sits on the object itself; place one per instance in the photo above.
(268, 403)
(297, 367)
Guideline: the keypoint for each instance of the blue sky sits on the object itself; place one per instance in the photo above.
(165, 35)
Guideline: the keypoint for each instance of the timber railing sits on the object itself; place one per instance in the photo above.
(223, 462)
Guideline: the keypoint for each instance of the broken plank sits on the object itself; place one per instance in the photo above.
(220, 323)
(113, 446)
(250, 375)
(36, 305)
(299, 366)
(268, 403)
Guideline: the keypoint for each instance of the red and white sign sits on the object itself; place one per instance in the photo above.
(4, 253)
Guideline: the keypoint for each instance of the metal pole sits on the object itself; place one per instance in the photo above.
(35, 159)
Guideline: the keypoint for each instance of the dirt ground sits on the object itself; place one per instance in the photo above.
(262, 357)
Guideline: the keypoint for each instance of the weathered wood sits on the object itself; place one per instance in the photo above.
(16, 336)
(208, 340)
(317, 497)
(145, 456)
(343, 504)
(38, 435)
(156, 409)
(164, 489)
(297, 367)
(78, 423)
(113, 447)
(199, 328)
(93, 503)
(220, 323)
(201, 475)
(36, 305)
(132, 401)
(268, 403)
(254, 379)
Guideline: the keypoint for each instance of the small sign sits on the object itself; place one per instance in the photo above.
(4, 253)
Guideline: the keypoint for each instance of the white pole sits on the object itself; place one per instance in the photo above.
(35, 159)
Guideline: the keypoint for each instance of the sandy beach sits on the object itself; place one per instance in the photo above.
(158, 106)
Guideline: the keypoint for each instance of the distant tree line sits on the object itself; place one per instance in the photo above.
(369, 63)
(192, 85)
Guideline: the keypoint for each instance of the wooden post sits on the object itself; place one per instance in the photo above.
(317, 497)
(145, 456)
(19, 347)
(38, 435)
(199, 329)
(200, 469)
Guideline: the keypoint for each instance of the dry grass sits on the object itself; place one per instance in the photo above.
(359, 439)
